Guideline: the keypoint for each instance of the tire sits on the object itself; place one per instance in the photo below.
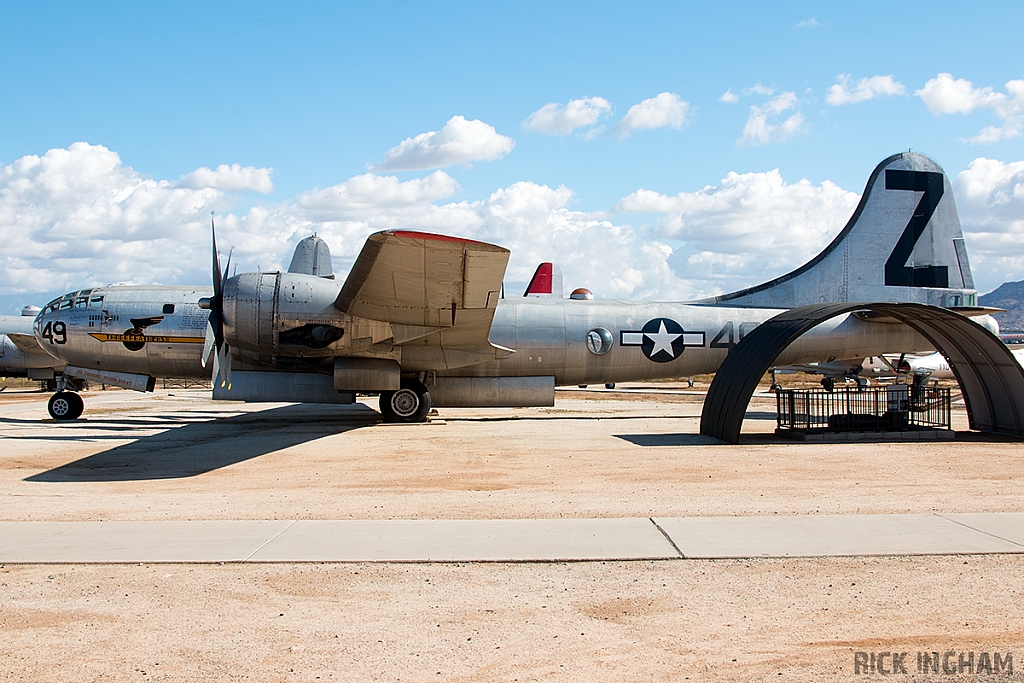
(411, 403)
(65, 405)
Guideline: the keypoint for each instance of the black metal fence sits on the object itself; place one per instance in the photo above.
(187, 383)
(895, 407)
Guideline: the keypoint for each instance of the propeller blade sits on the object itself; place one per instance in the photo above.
(227, 367)
(217, 279)
(223, 365)
(208, 344)
(227, 273)
(215, 375)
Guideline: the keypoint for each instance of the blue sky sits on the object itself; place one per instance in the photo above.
(314, 95)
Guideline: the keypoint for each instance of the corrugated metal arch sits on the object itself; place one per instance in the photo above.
(991, 379)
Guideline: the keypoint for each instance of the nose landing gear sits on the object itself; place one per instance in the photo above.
(66, 404)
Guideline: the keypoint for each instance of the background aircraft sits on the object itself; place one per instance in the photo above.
(420, 319)
(20, 353)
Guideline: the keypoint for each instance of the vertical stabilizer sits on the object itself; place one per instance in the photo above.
(547, 281)
(903, 244)
(312, 257)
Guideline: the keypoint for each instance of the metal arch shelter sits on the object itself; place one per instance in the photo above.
(991, 379)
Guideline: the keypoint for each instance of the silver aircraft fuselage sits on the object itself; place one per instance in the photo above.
(574, 341)
(159, 331)
(156, 331)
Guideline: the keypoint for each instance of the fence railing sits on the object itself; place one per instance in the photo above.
(895, 407)
(187, 384)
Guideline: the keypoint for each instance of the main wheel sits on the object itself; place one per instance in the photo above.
(411, 403)
(65, 405)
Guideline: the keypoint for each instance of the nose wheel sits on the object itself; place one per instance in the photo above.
(65, 405)
(411, 403)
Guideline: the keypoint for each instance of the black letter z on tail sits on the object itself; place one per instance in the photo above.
(897, 274)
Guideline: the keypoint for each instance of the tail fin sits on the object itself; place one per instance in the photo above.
(903, 244)
(312, 257)
(547, 281)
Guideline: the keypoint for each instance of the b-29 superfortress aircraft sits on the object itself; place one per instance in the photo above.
(420, 320)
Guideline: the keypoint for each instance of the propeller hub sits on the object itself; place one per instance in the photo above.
(206, 303)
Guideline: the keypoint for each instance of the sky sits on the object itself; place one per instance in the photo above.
(663, 151)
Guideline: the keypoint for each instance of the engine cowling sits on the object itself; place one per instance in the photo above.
(270, 315)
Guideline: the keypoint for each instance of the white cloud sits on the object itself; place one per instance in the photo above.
(460, 141)
(666, 110)
(365, 193)
(729, 97)
(990, 198)
(233, 178)
(947, 95)
(749, 228)
(558, 119)
(759, 130)
(808, 23)
(78, 217)
(865, 89)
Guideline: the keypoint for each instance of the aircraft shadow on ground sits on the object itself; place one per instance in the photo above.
(655, 440)
(195, 448)
(651, 440)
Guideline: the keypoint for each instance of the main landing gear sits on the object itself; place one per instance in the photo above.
(66, 404)
(410, 403)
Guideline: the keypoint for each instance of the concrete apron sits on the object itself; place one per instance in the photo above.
(510, 540)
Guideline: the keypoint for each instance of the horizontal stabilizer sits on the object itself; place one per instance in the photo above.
(25, 342)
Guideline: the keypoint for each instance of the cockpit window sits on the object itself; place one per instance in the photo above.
(65, 304)
(96, 302)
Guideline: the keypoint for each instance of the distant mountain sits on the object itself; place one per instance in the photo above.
(1009, 295)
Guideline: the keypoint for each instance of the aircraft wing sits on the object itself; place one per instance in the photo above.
(438, 292)
(25, 342)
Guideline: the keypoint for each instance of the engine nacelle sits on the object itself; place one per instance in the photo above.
(268, 315)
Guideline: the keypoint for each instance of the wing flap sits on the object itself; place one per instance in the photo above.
(434, 290)
(411, 278)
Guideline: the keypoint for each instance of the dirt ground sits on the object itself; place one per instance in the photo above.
(177, 455)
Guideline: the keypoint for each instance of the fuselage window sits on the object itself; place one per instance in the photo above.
(168, 309)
